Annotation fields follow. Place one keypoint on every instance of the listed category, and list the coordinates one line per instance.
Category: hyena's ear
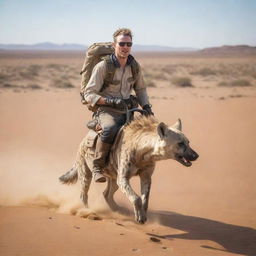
(178, 125)
(162, 129)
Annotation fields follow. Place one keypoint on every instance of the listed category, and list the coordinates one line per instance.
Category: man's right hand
(115, 103)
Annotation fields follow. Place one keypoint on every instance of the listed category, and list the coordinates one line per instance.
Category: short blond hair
(122, 31)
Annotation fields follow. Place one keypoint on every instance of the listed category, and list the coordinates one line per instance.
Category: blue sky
(177, 23)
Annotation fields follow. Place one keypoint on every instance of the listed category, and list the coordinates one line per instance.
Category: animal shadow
(235, 239)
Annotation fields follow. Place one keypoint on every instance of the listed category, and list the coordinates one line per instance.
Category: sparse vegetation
(34, 69)
(223, 83)
(17, 86)
(34, 86)
(150, 83)
(169, 69)
(236, 83)
(47, 72)
(30, 72)
(59, 83)
(240, 82)
(159, 76)
(182, 81)
(236, 96)
(204, 72)
(4, 77)
(8, 86)
(54, 66)
(253, 75)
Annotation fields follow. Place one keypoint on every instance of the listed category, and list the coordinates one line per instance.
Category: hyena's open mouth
(183, 160)
(186, 158)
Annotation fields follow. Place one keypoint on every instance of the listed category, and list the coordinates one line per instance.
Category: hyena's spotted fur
(138, 146)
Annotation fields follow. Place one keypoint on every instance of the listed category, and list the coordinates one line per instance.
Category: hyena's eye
(181, 144)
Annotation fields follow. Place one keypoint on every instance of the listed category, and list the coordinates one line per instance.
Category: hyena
(137, 148)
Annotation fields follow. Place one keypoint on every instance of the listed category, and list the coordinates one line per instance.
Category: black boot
(101, 153)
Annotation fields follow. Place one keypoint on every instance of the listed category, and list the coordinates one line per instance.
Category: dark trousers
(110, 123)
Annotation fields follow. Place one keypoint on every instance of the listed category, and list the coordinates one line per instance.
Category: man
(111, 100)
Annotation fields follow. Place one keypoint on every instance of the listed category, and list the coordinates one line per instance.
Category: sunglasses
(122, 44)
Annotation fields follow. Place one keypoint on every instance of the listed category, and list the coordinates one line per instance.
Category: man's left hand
(148, 110)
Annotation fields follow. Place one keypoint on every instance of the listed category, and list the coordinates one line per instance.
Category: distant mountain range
(158, 48)
(79, 47)
(226, 49)
(42, 46)
(230, 49)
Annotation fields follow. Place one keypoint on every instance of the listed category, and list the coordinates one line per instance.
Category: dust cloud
(31, 181)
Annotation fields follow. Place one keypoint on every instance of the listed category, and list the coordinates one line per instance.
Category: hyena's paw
(140, 215)
(83, 212)
(141, 219)
(87, 214)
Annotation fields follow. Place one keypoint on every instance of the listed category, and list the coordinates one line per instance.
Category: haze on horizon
(175, 23)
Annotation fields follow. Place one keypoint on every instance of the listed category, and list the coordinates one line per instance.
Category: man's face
(122, 51)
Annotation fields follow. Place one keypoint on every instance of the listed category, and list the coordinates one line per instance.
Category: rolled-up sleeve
(141, 90)
(92, 90)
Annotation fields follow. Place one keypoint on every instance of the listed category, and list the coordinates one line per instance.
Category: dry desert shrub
(223, 83)
(6, 74)
(246, 69)
(182, 81)
(159, 76)
(148, 79)
(253, 74)
(4, 77)
(155, 73)
(62, 83)
(236, 83)
(238, 69)
(58, 67)
(240, 82)
(8, 86)
(33, 86)
(17, 86)
(54, 66)
(60, 71)
(236, 96)
(169, 69)
(30, 72)
(235, 70)
(34, 69)
(204, 72)
(150, 83)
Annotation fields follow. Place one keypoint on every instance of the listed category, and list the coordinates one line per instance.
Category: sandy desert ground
(207, 209)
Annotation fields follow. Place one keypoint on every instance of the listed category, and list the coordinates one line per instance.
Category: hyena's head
(175, 145)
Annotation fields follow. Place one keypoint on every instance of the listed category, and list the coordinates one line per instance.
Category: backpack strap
(110, 72)
(135, 67)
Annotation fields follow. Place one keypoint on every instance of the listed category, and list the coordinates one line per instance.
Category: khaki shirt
(121, 87)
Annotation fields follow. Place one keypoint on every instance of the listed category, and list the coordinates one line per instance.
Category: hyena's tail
(70, 177)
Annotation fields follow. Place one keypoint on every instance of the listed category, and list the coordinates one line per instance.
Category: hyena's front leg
(123, 177)
(124, 184)
(145, 182)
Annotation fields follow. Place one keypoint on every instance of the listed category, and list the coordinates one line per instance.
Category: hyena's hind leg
(85, 177)
(109, 192)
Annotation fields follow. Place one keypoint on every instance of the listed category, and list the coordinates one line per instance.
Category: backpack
(96, 53)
